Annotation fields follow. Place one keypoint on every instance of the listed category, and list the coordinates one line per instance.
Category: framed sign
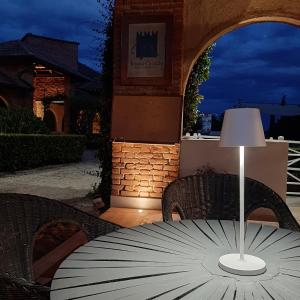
(146, 50)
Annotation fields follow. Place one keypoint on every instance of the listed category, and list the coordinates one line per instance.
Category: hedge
(26, 151)
(20, 120)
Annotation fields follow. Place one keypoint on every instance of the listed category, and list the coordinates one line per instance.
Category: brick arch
(51, 119)
(96, 123)
(3, 102)
(147, 114)
(206, 21)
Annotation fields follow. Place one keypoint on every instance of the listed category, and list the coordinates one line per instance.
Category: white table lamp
(242, 127)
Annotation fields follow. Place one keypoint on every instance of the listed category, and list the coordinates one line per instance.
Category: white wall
(265, 164)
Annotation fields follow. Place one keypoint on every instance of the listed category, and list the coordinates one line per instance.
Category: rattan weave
(21, 217)
(216, 196)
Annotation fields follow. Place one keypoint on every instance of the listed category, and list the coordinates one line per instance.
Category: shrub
(18, 120)
(26, 151)
(94, 141)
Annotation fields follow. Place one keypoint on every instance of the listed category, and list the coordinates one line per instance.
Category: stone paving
(59, 182)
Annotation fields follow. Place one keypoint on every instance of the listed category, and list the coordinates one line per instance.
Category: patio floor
(127, 217)
(66, 181)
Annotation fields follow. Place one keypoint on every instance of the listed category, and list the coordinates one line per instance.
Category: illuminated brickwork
(143, 170)
(49, 86)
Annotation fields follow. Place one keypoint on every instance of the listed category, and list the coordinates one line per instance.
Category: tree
(106, 60)
(199, 74)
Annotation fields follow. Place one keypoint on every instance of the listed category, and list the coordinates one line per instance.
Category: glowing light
(140, 210)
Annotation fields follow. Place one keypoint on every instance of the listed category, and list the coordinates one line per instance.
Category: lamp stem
(242, 208)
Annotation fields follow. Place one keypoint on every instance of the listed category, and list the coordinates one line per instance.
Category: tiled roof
(9, 80)
(12, 48)
(95, 82)
(47, 55)
(48, 38)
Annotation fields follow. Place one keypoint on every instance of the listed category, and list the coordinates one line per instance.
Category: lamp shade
(242, 127)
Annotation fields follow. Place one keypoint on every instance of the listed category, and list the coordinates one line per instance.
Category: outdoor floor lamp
(242, 127)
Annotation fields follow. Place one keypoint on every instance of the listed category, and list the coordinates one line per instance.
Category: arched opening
(265, 86)
(252, 66)
(50, 120)
(96, 127)
(227, 28)
(3, 103)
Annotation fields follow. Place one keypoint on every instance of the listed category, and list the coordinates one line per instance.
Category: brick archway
(147, 110)
(3, 103)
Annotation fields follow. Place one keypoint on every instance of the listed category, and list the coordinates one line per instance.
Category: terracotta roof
(88, 72)
(48, 38)
(12, 48)
(11, 81)
(36, 47)
(95, 83)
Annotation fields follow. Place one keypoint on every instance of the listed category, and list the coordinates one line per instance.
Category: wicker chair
(216, 196)
(21, 217)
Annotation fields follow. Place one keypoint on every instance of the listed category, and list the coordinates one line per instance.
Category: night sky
(256, 63)
(64, 19)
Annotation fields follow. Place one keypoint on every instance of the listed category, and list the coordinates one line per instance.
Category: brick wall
(143, 170)
(140, 169)
(46, 86)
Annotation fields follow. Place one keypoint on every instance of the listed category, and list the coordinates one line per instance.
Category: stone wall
(143, 170)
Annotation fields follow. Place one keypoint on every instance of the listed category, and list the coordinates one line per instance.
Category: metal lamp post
(242, 127)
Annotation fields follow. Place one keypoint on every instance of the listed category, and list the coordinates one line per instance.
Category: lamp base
(249, 266)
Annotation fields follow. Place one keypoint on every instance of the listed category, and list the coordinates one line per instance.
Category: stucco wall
(265, 164)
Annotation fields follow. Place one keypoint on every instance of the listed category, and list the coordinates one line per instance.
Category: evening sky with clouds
(256, 63)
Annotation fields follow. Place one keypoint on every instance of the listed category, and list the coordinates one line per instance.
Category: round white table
(179, 260)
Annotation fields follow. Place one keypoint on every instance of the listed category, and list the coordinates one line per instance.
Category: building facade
(149, 84)
(42, 74)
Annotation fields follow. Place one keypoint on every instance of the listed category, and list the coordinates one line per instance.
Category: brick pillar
(68, 93)
(142, 171)
(146, 114)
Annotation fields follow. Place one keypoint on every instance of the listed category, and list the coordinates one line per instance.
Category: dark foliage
(287, 126)
(192, 97)
(26, 151)
(105, 144)
(14, 120)
(83, 109)
(217, 122)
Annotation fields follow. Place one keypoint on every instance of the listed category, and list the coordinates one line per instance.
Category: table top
(179, 260)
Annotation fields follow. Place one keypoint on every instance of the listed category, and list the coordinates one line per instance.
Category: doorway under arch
(50, 120)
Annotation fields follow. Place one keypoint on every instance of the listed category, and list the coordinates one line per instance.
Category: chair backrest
(19, 289)
(21, 217)
(216, 196)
